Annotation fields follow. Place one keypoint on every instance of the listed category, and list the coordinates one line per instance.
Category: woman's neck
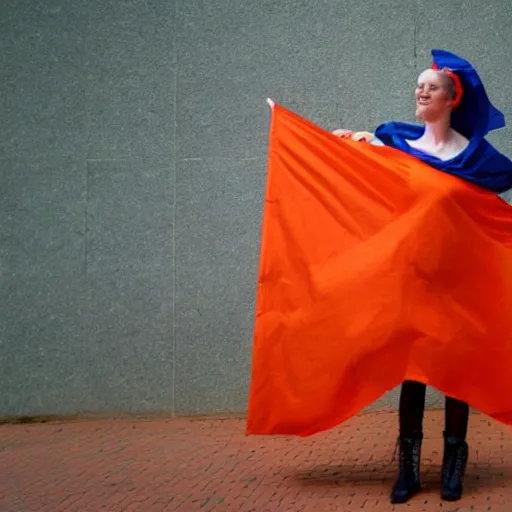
(437, 132)
(440, 140)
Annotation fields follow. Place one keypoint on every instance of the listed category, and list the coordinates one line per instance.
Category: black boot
(455, 460)
(408, 481)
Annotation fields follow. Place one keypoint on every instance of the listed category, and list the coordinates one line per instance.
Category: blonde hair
(448, 84)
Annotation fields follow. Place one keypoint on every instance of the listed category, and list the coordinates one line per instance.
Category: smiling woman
(445, 100)
(362, 275)
(456, 113)
(436, 97)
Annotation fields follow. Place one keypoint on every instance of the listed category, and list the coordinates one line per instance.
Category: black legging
(412, 406)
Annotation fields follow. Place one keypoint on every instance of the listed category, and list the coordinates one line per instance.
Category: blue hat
(476, 116)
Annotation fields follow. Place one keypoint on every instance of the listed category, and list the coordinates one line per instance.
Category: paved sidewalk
(182, 465)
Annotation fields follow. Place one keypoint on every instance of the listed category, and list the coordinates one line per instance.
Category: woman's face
(433, 100)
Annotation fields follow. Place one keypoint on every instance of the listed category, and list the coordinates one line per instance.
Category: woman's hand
(356, 136)
(362, 136)
(343, 134)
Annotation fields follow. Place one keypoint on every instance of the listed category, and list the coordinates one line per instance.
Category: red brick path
(181, 465)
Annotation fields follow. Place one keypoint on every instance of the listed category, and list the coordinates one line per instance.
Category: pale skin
(434, 103)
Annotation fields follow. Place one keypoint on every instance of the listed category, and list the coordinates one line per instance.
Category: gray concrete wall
(132, 156)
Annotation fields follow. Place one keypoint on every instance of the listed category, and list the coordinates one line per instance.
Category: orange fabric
(375, 268)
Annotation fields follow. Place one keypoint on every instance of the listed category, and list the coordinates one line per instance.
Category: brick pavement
(189, 465)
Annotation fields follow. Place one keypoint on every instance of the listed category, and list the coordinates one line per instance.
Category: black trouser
(412, 406)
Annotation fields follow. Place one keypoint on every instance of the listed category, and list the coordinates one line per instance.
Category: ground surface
(182, 465)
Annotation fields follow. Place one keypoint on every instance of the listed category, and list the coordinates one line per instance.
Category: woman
(376, 270)
(456, 115)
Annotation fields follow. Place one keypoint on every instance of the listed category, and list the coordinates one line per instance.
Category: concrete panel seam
(174, 220)
(223, 159)
(86, 219)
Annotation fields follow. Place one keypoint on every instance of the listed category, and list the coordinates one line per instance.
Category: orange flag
(375, 268)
